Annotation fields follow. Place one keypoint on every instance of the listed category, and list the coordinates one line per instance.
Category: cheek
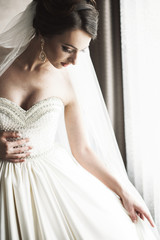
(56, 56)
(55, 53)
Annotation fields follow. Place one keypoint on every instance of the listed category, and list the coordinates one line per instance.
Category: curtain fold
(106, 56)
(141, 82)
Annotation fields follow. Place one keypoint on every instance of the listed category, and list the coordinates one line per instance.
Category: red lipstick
(64, 64)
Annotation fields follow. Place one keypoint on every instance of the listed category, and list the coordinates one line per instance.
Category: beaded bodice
(39, 123)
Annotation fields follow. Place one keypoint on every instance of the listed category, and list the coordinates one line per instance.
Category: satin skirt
(54, 198)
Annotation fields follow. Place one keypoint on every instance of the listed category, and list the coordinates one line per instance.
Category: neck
(29, 59)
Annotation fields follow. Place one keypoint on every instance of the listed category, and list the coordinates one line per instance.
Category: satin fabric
(50, 196)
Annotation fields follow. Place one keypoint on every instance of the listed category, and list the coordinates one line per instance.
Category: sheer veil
(16, 36)
(15, 39)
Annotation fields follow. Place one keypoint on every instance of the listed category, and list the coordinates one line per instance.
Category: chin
(57, 66)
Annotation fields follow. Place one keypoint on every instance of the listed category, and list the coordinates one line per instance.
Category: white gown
(50, 196)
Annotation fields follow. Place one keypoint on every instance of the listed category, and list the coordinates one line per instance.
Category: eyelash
(65, 49)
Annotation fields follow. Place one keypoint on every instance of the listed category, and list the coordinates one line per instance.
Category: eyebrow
(75, 47)
(71, 46)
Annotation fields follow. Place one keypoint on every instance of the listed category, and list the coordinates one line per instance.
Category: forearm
(91, 163)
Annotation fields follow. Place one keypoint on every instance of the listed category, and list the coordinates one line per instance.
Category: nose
(73, 58)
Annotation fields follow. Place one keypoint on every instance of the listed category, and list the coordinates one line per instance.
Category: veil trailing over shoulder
(15, 39)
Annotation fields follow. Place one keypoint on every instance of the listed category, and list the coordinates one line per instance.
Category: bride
(60, 178)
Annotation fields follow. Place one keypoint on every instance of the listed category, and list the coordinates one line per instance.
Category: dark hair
(57, 16)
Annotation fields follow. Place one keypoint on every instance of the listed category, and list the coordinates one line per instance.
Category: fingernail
(135, 221)
(153, 225)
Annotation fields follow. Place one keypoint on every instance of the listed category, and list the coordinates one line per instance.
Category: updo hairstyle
(54, 17)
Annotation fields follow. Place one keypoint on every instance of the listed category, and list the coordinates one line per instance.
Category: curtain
(106, 57)
(140, 29)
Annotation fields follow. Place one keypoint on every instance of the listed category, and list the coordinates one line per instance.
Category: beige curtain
(106, 56)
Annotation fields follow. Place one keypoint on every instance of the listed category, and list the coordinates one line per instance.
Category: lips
(64, 64)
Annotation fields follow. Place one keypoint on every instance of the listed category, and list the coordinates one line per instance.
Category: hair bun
(57, 16)
(61, 4)
(58, 5)
(92, 2)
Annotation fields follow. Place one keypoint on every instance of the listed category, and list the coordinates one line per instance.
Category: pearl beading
(39, 123)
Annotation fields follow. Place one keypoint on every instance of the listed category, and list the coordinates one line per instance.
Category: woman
(46, 193)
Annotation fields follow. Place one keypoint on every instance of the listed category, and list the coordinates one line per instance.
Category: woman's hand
(135, 206)
(13, 151)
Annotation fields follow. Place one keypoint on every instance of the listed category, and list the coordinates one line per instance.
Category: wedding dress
(51, 196)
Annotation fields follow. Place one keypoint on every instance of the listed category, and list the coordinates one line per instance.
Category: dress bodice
(39, 123)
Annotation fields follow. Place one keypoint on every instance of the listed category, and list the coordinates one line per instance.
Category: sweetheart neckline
(34, 105)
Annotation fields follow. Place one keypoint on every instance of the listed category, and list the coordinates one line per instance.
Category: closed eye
(68, 50)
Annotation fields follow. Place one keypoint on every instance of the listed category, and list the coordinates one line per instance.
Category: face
(62, 50)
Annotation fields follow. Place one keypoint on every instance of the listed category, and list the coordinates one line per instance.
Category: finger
(16, 152)
(20, 142)
(19, 156)
(20, 150)
(16, 160)
(148, 217)
(133, 215)
(10, 134)
(140, 215)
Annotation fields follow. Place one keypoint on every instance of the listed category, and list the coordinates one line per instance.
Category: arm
(88, 159)
(81, 150)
